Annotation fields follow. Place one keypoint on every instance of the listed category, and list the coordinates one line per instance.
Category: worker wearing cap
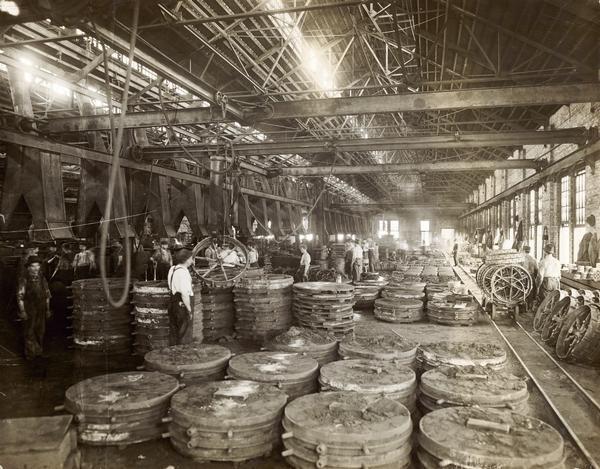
(33, 300)
(181, 302)
(548, 273)
(531, 266)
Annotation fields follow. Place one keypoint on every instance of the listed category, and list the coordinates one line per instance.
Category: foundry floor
(24, 392)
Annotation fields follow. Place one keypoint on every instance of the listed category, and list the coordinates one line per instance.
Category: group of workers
(360, 257)
(545, 274)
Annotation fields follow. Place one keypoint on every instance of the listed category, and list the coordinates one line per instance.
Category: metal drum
(380, 347)
(98, 328)
(263, 306)
(453, 313)
(311, 343)
(450, 386)
(368, 290)
(151, 301)
(325, 305)
(294, 374)
(461, 354)
(121, 408)
(346, 430)
(396, 382)
(190, 363)
(226, 420)
(460, 437)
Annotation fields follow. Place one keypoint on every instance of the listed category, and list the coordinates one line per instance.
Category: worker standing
(348, 254)
(548, 273)
(357, 262)
(33, 300)
(181, 302)
(455, 252)
(302, 272)
(252, 254)
(162, 260)
(531, 266)
(84, 262)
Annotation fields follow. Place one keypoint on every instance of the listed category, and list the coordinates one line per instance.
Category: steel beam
(577, 135)
(391, 103)
(409, 168)
(71, 154)
(403, 206)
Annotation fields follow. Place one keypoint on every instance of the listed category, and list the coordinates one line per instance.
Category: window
(532, 212)
(580, 198)
(389, 227)
(565, 200)
(540, 195)
(425, 233)
(395, 228)
(383, 228)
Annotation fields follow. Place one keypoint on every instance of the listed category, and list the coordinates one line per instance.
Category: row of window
(571, 193)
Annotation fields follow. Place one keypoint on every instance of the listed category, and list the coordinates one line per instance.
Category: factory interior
(308, 234)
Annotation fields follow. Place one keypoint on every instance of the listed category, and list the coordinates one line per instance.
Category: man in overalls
(33, 300)
(181, 303)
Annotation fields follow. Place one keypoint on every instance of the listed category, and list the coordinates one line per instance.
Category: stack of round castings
(461, 354)
(98, 328)
(396, 277)
(405, 290)
(449, 386)
(429, 274)
(121, 408)
(226, 420)
(380, 347)
(197, 326)
(452, 314)
(291, 372)
(367, 291)
(475, 437)
(151, 300)
(399, 310)
(190, 363)
(315, 344)
(446, 274)
(387, 379)
(218, 312)
(413, 273)
(346, 430)
(324, 305)
(263, 306)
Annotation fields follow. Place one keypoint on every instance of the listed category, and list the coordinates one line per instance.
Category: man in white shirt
(252, 254)
(229, 256)
(181, 303)
(531, 266)
(302, 272)
(548, 273)
(357, 262)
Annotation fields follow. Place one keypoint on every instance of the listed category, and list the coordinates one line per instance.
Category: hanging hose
(114, 174)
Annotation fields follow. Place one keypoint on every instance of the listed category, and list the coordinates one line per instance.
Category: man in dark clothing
(455, 252)
(162, 260)
(33, 299)
(141, 260)
(181, 303)
(51, 261)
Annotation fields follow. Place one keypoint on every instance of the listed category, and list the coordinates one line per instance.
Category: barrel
(218, 312)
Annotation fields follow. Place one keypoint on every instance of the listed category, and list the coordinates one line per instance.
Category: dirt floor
(31, 391)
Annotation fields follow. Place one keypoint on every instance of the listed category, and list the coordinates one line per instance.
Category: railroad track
(576, 409)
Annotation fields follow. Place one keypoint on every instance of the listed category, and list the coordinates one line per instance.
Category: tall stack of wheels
(346, 430)
(218, 312)
(396, 382)
(450, 386)
(190, 363)
(294, 374)
(151, 303)
(386, 347)
(99, 329)
(230, 421)
(476, 437)
(263, 306)
(121, 408)
(311, 343)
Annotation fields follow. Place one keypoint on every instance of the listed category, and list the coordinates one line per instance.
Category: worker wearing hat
(181, 302)
(162, 260)
(33, 300)
(548, 273)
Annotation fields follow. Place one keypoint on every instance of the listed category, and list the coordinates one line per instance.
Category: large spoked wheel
(545, 308)
(484, 278)
(218, 274)
(554, 321)
(573, 331)
(510, 285)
